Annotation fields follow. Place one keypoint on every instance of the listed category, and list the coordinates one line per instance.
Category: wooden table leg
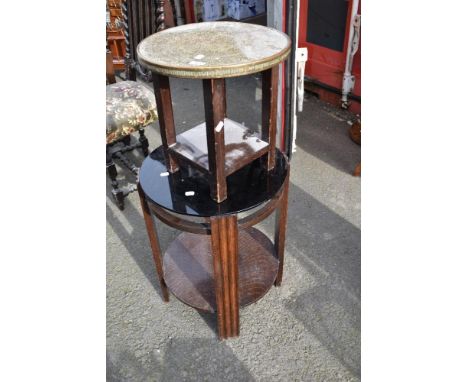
(224, 235)
(214, 94)
(269, 111)
(280, 229)
(162, 92)
(154, 242)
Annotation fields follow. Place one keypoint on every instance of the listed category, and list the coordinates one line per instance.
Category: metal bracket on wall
(353, 46)
(301, 59)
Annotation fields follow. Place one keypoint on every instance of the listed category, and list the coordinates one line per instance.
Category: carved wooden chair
(142, 18)
(130, 106)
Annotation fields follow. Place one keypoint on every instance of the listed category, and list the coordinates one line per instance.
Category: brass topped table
(213, 51)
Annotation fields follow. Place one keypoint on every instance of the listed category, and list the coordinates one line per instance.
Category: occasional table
(219, 262)
(213, 51)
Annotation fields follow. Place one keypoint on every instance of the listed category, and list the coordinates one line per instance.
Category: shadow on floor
(183, 360)
(326, 245)
(138, 246)
(323, 132)
(334, 320)
(137, 243)
(329, 248)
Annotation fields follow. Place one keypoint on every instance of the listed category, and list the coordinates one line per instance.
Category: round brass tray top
(217, 49)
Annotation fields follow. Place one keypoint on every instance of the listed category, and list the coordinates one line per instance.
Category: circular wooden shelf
(217, 49)
(188, 268)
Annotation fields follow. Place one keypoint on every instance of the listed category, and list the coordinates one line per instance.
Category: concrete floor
(306, 330)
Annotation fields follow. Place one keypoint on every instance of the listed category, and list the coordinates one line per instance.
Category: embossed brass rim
(206, 72)
(213, 72)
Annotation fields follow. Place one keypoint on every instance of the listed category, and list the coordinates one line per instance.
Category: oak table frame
(225, 231)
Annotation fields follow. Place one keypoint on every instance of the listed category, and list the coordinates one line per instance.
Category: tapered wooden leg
(154, 242)
(269, 111)
(226, 274)
(280, 229)
(162, 92)
(214, 94)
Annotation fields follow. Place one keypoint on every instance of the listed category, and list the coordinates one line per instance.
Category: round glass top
(187, 191)
(217, 49)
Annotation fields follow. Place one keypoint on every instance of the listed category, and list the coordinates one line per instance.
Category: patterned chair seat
(129, 107)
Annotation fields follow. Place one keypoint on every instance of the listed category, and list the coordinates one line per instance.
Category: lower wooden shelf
(242, 146)
(188, 268)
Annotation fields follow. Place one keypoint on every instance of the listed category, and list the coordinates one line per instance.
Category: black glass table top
(187, 191)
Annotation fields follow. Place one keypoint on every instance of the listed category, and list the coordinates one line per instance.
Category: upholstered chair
(130, 106)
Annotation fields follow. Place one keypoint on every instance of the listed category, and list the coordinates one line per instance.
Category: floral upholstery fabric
(129, 107)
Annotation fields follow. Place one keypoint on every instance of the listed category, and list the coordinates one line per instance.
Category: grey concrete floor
(306, 330)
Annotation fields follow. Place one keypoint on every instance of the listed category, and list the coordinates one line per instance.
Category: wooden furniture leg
(160, 16)
(144, 142)
(110, 73)
(214, 94)
(280, 229)
(224, 246)
(112, 172)
(168, 14)
(162, 92)
(188, 16)
(154, 242)
(357, 170)
(269, 111)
